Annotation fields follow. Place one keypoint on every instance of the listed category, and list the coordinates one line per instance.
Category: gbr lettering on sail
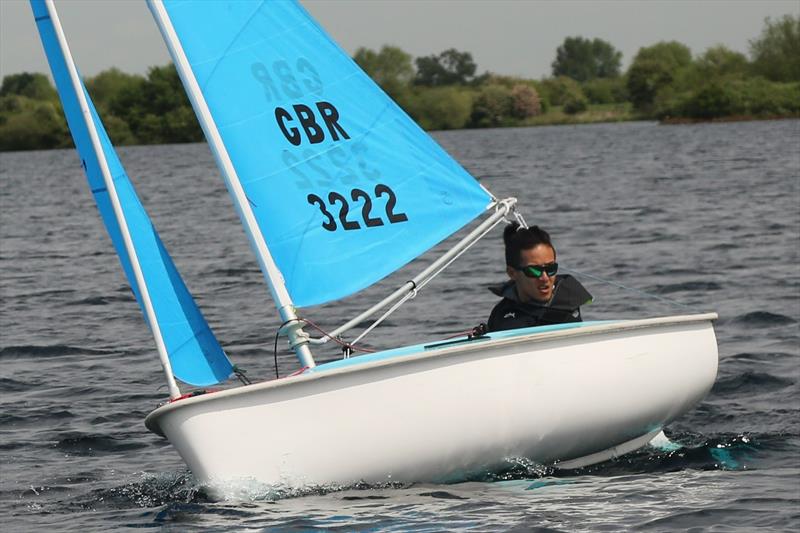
(329, 176)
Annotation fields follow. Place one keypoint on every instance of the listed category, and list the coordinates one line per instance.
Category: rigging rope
(275, 349)
(346, 346)
(411, 294)
(632, 289)
(338, 340)
(417, 286)
(240, 373)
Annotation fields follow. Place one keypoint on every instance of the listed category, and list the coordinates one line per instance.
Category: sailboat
(336, 188)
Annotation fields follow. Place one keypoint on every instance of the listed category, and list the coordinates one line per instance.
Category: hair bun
(509, 231)
(518, 239)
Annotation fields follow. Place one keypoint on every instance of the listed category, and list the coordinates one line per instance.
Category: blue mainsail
(194, 353)
(345, 188)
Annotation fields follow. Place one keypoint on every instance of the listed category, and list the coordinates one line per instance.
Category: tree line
(444, 91)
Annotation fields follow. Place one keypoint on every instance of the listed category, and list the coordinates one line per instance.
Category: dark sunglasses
(536, 271)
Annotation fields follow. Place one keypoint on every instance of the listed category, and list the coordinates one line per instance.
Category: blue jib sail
(344, 186)
(194, 353)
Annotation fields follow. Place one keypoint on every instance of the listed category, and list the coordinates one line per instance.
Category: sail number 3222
(370, 220)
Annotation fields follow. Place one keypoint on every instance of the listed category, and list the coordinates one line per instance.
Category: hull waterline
(572, 397)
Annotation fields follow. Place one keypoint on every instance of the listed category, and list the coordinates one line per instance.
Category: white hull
(575, 397)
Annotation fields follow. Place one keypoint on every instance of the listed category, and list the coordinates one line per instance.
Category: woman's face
(534, 289)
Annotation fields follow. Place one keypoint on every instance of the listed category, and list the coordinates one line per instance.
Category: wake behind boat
(337, 188)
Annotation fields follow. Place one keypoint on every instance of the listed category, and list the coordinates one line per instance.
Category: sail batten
(187, 347)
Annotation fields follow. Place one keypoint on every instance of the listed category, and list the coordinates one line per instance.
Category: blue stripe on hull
(448, 343)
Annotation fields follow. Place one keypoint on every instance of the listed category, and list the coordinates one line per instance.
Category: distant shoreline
(543, 120)
(609, 113)
(673, 121)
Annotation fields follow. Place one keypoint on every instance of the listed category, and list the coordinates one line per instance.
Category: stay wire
(344, 344)
(417, 286)
(350, 346)
(632, 289)
(388, 312)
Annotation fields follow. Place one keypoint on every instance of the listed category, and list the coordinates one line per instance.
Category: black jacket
(565, 306)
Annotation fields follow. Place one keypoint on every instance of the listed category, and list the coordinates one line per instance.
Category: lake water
(704, 216)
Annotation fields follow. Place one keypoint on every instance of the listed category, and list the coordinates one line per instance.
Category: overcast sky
(515, 37)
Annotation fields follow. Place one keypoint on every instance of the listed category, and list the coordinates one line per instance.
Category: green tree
(583, 59)
(493, 106)
(118, 130)
(776, 52)
(711, 101)
(575, 102)
(180, 125)
(163, 90)
(441, 108)
(773, 99)
(390, 65)
(720, 61)
(30, 114)
(28, 124)
(157, 109)
(391, 68)
(654, 68)
(31, 85)
(605, 90)
(557, 90)
(525, 93)
(109, 84)
(717, 64)
(754, 97)
(105, 89)
(451, 67)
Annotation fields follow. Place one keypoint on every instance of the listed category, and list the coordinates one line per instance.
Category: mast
(291, 324)
(80, 95)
